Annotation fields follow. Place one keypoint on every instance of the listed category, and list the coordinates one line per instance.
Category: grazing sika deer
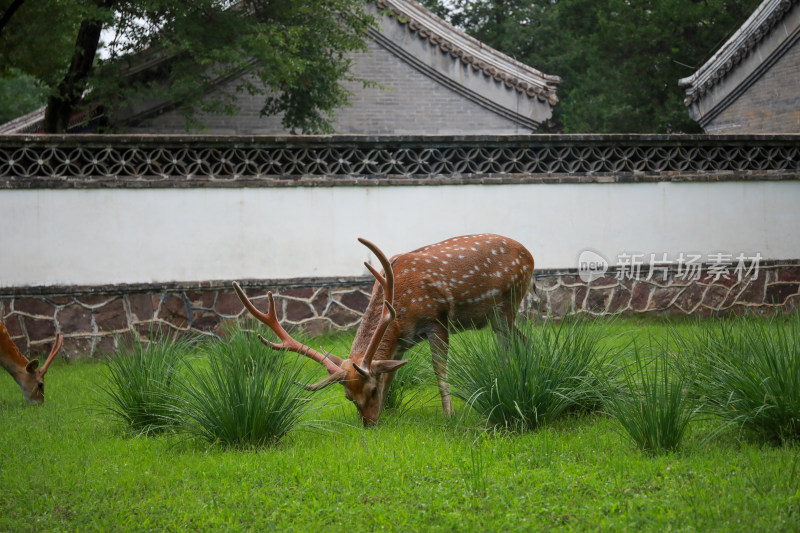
(461, 283)
(27, 374)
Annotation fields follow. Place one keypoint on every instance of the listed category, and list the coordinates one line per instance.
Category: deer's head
(367, 389)
(365, 380)
(28, 375)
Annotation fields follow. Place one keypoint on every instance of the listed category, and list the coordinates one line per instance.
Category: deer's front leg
(439, 340)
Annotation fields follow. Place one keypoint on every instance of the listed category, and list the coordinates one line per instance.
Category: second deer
(27, 374)
(461, 283)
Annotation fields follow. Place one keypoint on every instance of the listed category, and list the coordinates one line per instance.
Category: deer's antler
(270, 319)
(53, 351)
(386, 282)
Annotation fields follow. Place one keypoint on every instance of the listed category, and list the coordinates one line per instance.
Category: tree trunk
(70, 91)
(8, 13)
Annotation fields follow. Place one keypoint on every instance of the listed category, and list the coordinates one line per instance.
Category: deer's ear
(32, 366)
(363, 372)
(333, 378)
(381, 367)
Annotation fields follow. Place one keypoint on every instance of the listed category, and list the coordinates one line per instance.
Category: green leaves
(620, 60)
(295, 54)
(175, 51)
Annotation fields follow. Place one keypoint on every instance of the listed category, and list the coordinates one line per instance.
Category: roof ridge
(470, 51)
(760, 23)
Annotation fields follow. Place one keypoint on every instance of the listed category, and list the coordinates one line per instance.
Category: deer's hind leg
(439, 340)
(502, 320)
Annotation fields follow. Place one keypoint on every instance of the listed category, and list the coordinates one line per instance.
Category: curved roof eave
(470, 51)
(761, 23)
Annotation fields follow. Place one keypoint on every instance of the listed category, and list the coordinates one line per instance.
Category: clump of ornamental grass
(652, 404)
(242, 399)
(534, 378)
(748, 373)
(240, 340)
(408, 383)
(141, 379)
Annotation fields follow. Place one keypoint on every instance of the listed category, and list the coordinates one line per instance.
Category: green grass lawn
(69, 465)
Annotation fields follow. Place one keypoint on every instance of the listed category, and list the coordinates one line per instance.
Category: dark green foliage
(142, 378)
(747, 372)
(652, 403)
(20, 94)
(620, 60)
(297, 53)
(537, 378)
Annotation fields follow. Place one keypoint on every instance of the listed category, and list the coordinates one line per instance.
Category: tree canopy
(620, 60)
(295, 51)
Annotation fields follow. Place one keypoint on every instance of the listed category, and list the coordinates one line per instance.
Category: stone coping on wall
(93, 319)
(175, 161)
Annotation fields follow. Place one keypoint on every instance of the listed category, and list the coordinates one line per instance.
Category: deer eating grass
(27, 374)
(461, 283)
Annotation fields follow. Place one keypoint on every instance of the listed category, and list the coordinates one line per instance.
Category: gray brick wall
(411, 103)
(770, 105)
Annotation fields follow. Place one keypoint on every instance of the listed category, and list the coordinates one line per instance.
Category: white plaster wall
(95, 237)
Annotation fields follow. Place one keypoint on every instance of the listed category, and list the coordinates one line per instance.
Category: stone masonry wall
(93, 320)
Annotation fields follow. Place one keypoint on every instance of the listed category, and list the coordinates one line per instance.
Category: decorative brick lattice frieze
(146, 161)
(92, 320)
